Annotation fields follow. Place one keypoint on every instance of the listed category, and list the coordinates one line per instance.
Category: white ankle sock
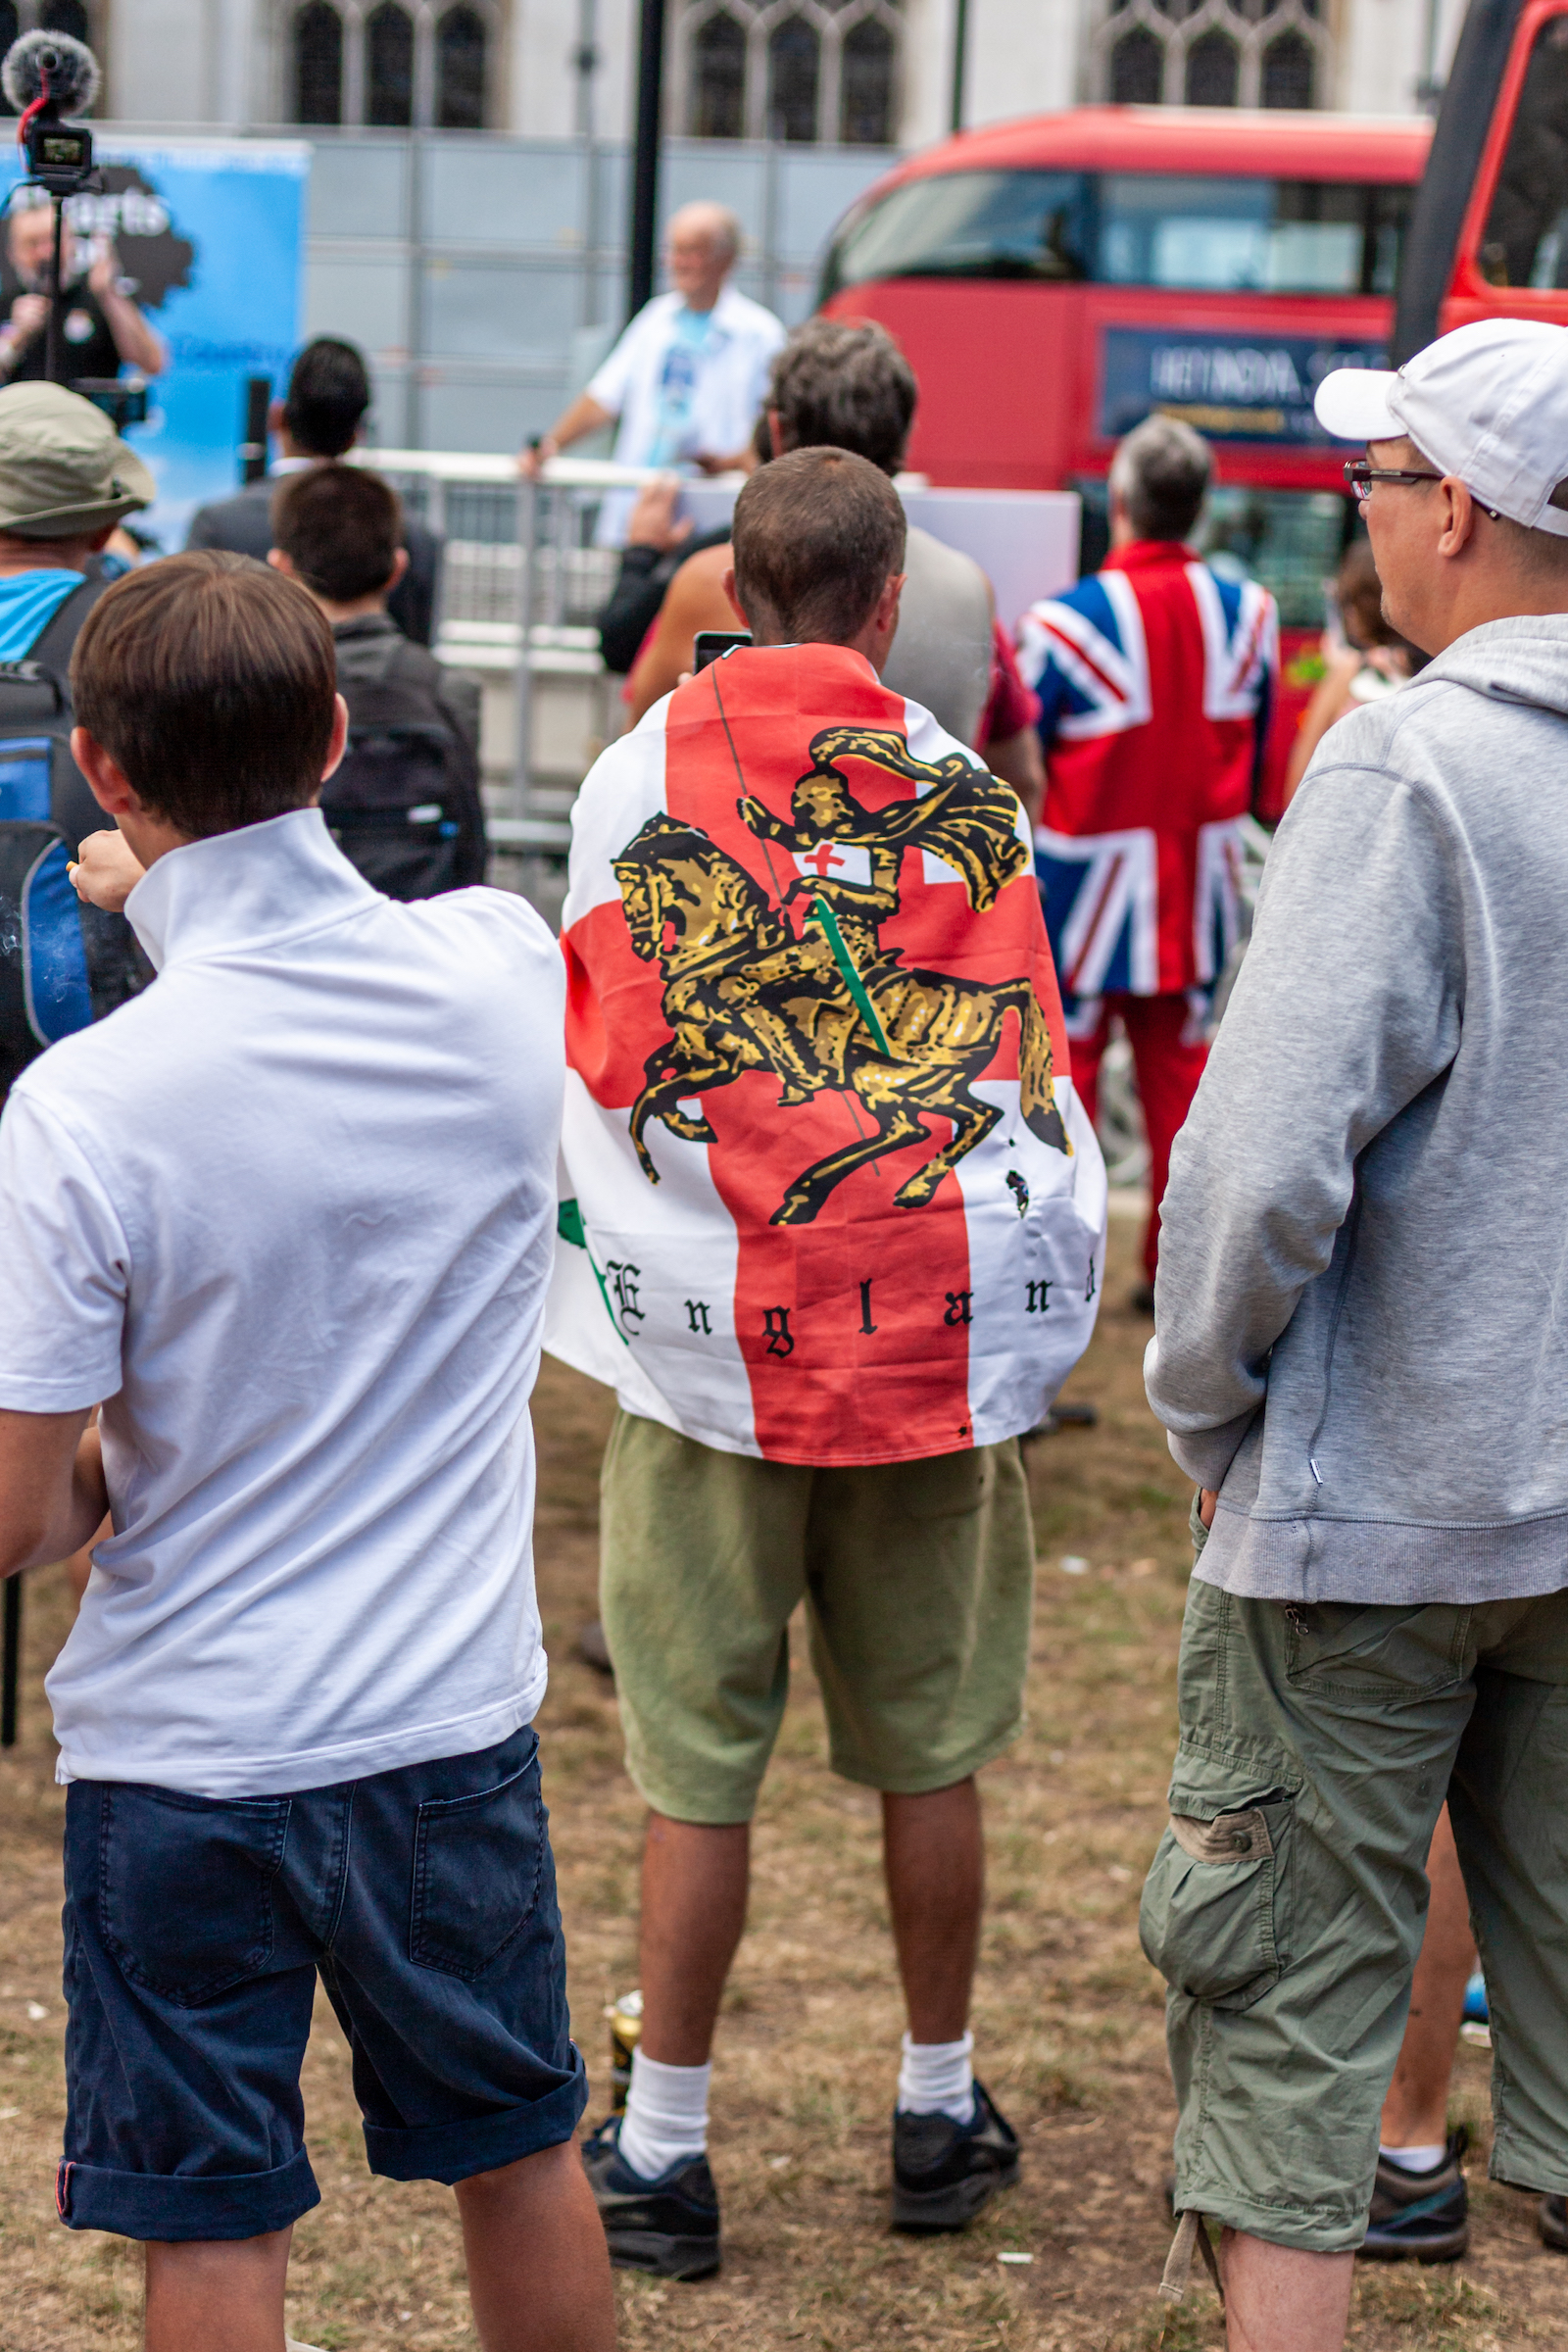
(1424, 2159)
(937, 2078)
(666, 2115)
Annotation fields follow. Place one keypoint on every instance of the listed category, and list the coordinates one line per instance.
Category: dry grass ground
(1067, 2022)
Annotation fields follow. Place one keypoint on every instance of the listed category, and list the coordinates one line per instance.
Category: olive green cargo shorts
(1285, 1905)
(919, 1584)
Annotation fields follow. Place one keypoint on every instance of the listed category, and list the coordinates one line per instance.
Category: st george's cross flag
(828, 1194)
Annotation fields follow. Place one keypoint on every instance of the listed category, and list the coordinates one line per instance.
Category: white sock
(666, 2115)
(936, 2078)
(1424, 2159)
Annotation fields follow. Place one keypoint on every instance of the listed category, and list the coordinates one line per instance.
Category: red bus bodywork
(1015, 375)
(1009, 373)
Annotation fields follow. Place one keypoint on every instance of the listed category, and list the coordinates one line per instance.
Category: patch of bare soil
(1067, 2023)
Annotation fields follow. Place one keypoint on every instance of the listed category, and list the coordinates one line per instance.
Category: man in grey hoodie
(1361, 1355)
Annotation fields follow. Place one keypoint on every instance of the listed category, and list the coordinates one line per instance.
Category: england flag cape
(828, 1195)
(1154, 677)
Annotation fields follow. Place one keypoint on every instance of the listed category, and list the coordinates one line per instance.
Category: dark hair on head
(211, 681)
(1162, 472)
(815, 535)
(340, 526)
(845, 384)
(329, 392)
(1360, 598)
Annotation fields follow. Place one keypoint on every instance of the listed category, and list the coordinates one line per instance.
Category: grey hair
(1161, 473)
(723, 224)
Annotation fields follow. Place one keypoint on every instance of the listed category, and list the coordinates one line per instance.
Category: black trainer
(1420, 2217)
(668, 2225)
(1551, 2220)
(944, 2172)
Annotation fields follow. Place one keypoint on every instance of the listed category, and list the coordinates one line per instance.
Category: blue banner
(1229, 387)
(211, 232)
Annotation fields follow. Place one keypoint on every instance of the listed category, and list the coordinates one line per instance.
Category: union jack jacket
(1154, 677)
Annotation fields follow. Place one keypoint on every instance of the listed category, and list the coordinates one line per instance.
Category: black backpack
(404, 806)
(62, 964)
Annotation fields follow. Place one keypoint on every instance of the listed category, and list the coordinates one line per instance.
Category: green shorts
(1286, 1903)
(919, 1583)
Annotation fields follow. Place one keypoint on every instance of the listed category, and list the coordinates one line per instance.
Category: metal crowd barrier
(523, 585)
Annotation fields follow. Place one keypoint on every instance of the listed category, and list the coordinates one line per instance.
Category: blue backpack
(62, 964)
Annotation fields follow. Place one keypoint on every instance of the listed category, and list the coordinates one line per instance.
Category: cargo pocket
(1215, 1915)
(477, 1862)
(1358, 1649)
(185, 1887)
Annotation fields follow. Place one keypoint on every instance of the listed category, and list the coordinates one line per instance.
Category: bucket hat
(64, 470)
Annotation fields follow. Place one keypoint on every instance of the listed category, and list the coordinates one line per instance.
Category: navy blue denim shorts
(195, 1929)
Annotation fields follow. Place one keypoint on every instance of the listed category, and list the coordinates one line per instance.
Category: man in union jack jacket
(1154, 680)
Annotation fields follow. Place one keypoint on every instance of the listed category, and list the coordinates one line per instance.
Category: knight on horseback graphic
(830, 1006)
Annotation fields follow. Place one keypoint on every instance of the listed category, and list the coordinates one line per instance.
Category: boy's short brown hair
(210, 680)
(816, 536)
(340, 526)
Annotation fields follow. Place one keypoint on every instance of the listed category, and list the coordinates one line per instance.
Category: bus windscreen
(1525, 242)
(1130, 229)
(967, 224)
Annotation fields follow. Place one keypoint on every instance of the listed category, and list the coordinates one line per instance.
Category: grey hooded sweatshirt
(1361, 1316)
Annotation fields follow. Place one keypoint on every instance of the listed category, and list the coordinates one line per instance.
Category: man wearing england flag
(834, 1233)
(1154, 679)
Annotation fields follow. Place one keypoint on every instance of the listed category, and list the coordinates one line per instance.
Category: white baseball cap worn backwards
(1488, 404)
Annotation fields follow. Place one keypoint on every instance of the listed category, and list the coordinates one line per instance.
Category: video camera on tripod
(47, 76)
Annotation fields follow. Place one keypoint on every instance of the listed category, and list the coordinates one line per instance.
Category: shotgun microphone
(50, 66)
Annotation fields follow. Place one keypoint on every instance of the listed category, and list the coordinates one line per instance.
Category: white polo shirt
(727, 383)
(289, 1214)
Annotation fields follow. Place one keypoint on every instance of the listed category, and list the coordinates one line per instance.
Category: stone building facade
(858, 73)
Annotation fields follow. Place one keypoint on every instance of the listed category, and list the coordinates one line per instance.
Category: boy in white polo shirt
(289, 1214)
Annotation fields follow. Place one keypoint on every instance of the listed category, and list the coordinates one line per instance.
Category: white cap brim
(1352, 403)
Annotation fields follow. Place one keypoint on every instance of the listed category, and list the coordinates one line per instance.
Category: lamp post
(960, 53)
(644, 154)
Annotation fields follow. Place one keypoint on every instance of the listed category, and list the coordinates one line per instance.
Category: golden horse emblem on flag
(830, 1008)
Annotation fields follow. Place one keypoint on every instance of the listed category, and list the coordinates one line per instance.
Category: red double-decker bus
(1489, 232)
(1055, 281)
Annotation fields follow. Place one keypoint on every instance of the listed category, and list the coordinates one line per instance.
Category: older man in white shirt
(687, 378)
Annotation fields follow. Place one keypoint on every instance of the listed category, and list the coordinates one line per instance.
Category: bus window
(1250, 235)
(1525, 242)
(965, 224)
(1291, 540)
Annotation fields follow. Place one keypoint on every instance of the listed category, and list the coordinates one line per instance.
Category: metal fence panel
(471, 265)
(364, 298)
(506, 193)
(497, 310)
(359, 188)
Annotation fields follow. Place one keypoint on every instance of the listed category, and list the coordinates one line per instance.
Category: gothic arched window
(794, 68)
(1213, 71)
(317, 63)
(65, 16)
(461, 46)
(1289, 71)
(8, 28)
(389, 68)
(865, 85)
(1137, 67)
(719, 81)
(797, 70)
(1212, 52)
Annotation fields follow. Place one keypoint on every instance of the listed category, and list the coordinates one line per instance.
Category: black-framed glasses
(1360, 476)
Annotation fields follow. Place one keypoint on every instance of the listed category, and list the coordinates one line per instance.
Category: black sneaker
(1551, 2220)
(1420, 2217)
(944, 2172)
(668, 2225)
